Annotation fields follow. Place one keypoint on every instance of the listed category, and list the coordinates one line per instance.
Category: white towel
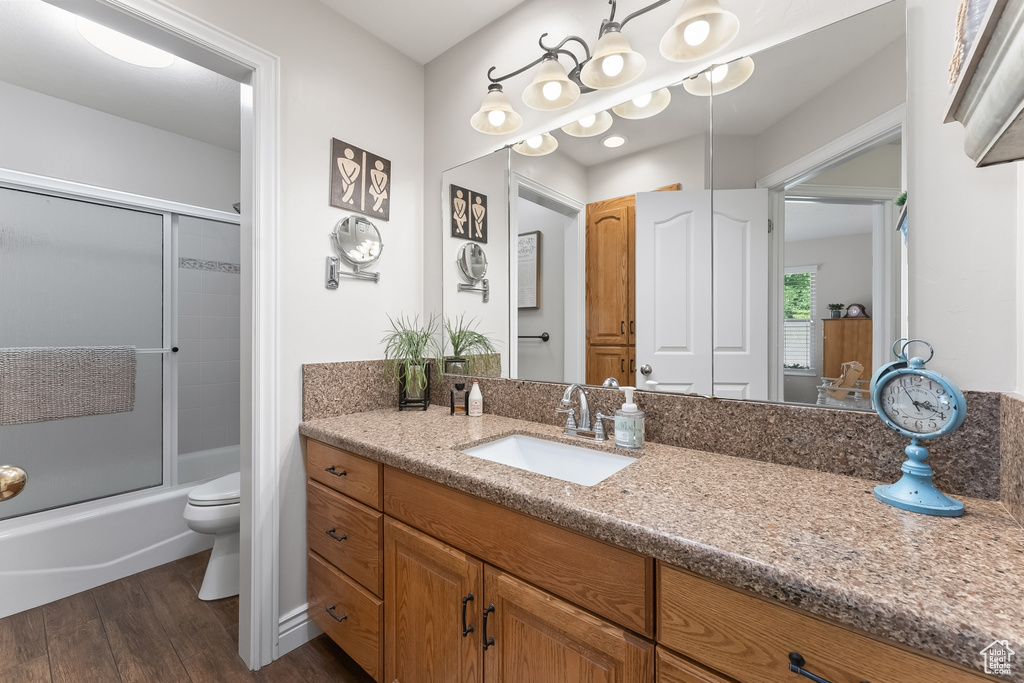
(47, 383)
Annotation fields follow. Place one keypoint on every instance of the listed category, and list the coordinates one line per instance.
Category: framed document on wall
(529, 269)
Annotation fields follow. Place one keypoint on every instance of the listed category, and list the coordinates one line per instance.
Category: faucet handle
(571, 422)
(599, 433)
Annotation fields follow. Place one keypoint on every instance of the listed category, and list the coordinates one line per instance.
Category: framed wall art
(360, 181)
(468, 210)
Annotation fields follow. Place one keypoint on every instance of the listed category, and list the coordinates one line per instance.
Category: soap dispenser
(629, 423)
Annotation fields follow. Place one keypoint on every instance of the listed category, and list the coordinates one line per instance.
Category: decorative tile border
(214, 266)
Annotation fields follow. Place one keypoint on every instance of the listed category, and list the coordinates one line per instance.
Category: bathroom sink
(553, 459)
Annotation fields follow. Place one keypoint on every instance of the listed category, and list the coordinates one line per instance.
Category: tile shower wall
(208, 334)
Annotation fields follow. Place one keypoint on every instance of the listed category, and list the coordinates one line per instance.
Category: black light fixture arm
(610, 24)
(549, 53)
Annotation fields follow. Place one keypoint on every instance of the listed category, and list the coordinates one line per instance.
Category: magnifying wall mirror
(472, 262)
(357, 242)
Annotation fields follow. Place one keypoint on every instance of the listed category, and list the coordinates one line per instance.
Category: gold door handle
(12, 481)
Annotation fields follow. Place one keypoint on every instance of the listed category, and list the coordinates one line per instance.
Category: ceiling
(41, 49)
(422, 29)
(813, 220)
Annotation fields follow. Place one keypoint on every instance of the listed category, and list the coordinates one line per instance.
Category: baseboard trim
(295, 629)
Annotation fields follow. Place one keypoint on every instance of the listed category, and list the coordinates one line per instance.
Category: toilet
(213, 508)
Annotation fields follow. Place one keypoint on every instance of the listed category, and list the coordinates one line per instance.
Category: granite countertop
(821, 542)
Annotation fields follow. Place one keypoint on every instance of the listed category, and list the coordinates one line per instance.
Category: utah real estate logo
(998, 658)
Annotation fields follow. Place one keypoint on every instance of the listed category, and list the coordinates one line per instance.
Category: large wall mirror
(697, 250)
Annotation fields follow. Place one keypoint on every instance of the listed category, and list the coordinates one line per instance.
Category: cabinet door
(608, 361)
(539, 638)
(609, 284)
(425, 583)
(845, 340)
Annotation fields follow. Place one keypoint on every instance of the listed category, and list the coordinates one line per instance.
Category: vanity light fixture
(613, 141)
(537, 145)
(645, 105)
(125, 48)
(720, 78)
(701, 28)
(589, 126)
(700, 25)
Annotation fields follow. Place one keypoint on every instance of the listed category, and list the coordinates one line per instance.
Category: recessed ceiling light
(123, 47)
(613, 141)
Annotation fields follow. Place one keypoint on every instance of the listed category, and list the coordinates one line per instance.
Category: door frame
(575, 341)
(888, 127)
(207, 45)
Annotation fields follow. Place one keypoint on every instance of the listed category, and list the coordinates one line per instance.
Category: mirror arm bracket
(333, 273)
(484, 288)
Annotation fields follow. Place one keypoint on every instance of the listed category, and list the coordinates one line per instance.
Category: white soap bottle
(476, 401)
(629, 423)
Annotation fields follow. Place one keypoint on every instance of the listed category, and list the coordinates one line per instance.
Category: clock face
(854, 311)
(916, 403)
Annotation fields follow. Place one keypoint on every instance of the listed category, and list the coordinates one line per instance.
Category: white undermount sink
(553, 459)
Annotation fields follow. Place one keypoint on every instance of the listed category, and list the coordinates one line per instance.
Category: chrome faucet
(581, 428)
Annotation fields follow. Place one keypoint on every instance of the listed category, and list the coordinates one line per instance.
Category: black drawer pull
(466, 630)
(330, 532)
(488, 640)
(796, 665)
(331, 470)
(330, 610)
(622, 327)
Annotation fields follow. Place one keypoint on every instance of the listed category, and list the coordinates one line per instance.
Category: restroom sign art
(360, 181)
(468, 210)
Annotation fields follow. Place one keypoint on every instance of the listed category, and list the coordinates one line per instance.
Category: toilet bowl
(214, 508)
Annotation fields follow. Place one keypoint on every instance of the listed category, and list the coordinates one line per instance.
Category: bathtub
(50, 555)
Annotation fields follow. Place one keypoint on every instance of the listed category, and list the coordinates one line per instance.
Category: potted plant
(409, 347)
(465, 341)
(835, 310)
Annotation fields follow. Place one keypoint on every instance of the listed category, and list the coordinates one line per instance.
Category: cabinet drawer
(361, 614)
(750, 638)
(674, 669)
(344, 472)
(345, 533)
(611, 582)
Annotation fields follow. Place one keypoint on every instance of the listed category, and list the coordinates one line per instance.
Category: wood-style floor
(151, 628)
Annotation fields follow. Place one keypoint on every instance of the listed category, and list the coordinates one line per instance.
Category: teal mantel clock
(920, 404)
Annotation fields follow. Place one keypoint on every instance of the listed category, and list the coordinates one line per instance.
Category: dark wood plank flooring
(151, 627)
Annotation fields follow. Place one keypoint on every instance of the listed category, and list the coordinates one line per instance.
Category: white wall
(456, 81)
(681, 161)
(963, 224)
(324, 95)
(540, 360)
(51, 137)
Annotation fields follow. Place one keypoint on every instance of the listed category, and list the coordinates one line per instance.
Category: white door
(740, 286)
(673, 291)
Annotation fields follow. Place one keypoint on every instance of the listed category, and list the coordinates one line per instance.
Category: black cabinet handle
(331, 470)
(632, 327)
(796, 665)
(632, 366)
(488, 640)
(330, 532)
(466, 630)
(330, 610)
(622, 327)
(622, 364)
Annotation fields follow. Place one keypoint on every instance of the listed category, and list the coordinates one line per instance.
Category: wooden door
(609, 361)
(845, 340)
(426, 582)
(609, 280)
(539, 638)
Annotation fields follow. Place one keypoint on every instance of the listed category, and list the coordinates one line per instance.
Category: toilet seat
(223, 491)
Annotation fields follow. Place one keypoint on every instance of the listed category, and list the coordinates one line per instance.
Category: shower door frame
(156, 22)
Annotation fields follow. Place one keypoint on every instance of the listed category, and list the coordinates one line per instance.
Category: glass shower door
(80, 274)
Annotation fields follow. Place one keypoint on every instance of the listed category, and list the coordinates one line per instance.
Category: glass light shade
(611, 48)
(551, 88)
(532, 147)
(659, 100)
(714, 80)
(488, 118)
(602, 122)
(125, 48)
(677, 44)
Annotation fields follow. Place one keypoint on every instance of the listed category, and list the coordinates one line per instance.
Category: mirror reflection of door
(840, 247)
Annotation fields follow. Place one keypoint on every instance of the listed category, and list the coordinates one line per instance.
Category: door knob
(12, 481)
(646, 370)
